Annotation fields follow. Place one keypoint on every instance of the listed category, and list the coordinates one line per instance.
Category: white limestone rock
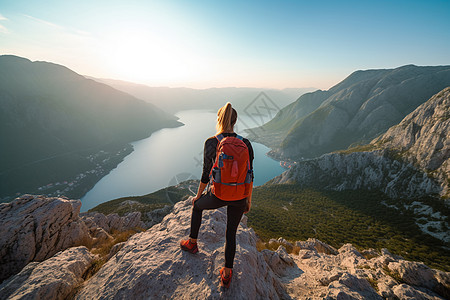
(278, 260)
(152, 265)
(407, 292)
(315, 244)
(419, 275)
(156, 216)
(350, 275)
(113, 222)
(54, 278)
(349, 286)
(34, 228)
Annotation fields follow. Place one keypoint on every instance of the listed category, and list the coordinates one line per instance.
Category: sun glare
(142, 57)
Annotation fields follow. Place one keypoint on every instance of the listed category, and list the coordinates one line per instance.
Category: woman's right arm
(209, 152)
(201, 188)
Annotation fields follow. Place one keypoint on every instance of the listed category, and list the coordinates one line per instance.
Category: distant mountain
(410, 160)
(409, 164)
(177, 99)
(50, 113)
(358, 109)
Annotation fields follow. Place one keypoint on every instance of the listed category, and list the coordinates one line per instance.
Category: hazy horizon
(201, 44)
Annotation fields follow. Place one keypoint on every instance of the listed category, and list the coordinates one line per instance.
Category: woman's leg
(235, 210)
(206, 201)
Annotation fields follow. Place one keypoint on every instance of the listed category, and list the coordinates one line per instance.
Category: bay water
(170, 156)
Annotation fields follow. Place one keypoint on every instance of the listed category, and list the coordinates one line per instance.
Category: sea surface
(172, 155)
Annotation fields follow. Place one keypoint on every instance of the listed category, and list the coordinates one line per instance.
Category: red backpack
(231, 176)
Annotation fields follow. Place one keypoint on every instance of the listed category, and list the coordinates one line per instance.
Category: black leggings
(235, 209)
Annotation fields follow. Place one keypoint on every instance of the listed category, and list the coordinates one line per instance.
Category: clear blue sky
(227, 43)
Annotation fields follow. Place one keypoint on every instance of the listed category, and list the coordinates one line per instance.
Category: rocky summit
(151, 265)
(356, 110)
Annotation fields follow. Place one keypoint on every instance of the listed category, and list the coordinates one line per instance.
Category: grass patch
(373, 283)
(103, 248)
(360, 148)
(393, 274)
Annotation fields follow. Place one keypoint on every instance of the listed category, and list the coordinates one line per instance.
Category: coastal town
(287, 164)
(102, 163)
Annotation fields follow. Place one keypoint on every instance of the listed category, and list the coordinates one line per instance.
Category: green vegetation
(393, 274)
(336, 218)
(146, 203)
(360, 148)
(373, 283)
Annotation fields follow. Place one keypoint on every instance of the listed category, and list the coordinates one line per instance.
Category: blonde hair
(226, 118)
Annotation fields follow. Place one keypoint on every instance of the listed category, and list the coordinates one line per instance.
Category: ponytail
(226, 118)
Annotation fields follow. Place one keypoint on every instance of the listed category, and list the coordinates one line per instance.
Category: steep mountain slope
(408, 163)
(423, 138)
(177, 99)
(356, 110)
(410, 160)
(47, 110)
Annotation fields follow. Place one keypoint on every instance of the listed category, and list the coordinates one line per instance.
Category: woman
(226, 119)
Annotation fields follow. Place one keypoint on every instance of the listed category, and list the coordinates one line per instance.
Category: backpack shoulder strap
(219, 137)
(239, 137)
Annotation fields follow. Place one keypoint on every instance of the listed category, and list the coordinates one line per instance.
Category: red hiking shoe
(186, 245)
(225, 281)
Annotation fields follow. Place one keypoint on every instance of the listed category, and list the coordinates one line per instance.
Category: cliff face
(150, 265)
(410, 160)
(423, 138)
(34, 228)
(356, 110)
(375, 170)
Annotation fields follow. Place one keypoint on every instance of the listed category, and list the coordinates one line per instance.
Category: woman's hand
(194, 198)
(201, 188)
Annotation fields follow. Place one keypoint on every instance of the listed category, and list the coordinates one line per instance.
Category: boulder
(54, 278)
(113, 222)
(152, 265)
(34, 228)
(315, 244)
(279, 260)
(351, 287)
(418, 274)
(156, 216)
(407, 292)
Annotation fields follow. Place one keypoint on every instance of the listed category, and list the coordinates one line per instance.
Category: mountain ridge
(361, 107)
(182, 98)
(49, 112)
(418, 147)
